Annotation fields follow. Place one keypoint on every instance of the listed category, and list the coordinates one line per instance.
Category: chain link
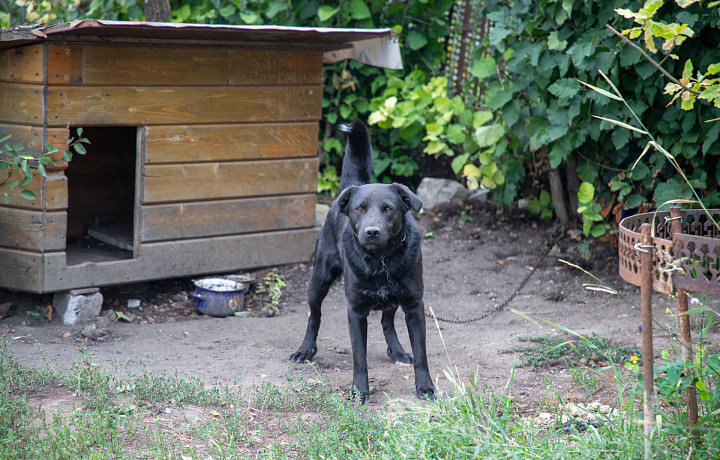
(538, 262)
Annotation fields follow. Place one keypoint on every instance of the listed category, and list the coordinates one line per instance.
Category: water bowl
(219, 296)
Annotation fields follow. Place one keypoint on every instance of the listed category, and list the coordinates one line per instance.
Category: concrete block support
(78, 306)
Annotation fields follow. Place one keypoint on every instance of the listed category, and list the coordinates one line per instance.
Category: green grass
(161, 416)
(549, 350)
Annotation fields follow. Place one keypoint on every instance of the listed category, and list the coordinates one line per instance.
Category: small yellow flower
(634, 359)
(667, 310)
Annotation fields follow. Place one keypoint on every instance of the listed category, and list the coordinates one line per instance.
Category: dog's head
(377, 212)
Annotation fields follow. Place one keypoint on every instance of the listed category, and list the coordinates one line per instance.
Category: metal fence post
(646, 289)
(684, 321)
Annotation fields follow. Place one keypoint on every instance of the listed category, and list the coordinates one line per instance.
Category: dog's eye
(388, 208)
(360, 209)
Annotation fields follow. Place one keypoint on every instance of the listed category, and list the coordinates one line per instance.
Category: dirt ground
(470, 267)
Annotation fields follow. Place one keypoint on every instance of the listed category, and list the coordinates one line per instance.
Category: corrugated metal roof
(377, 47)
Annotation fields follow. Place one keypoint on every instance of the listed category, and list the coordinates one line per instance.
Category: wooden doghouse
(203, 154)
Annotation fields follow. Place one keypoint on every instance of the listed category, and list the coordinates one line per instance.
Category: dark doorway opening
(101, 196)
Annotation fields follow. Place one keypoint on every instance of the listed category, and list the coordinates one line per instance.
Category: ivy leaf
(496, 98)
(227, 11)
(565, 88)
(483, 68)
(582, 48)
(459, 162)
(359, 10)
(455, 134)
(416, 40)
(249, 17)
(586, 192)
(481, 117)
(486, 136)
(433, 130)
(554, 43)
(273, 8)
(620, 138)
(435, 147)
(28, 194)
(326, 12)
(557, 155)
(710, 137)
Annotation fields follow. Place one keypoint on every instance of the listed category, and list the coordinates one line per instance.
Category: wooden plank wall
(228, 140)
(28, 228)
(226, 151)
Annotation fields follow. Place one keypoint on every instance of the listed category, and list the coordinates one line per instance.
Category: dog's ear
(340, 204)
(408, 198)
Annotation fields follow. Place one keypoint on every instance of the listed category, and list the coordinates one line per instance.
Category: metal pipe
(684, 323)
(646, 289)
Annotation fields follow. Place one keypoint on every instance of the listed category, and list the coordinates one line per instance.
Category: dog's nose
(372, 232)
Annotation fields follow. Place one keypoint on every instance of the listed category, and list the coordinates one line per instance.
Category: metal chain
(538, 262)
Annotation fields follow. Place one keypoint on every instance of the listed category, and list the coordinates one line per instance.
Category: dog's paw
(427, 393)
(303, 355)
(356, 396)
(400, 357)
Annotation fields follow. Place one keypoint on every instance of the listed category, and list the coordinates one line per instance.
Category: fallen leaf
(48, 312)
(66, 335)
(123, 316)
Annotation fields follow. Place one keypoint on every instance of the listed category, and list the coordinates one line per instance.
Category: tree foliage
(542, 50)
(522, 112)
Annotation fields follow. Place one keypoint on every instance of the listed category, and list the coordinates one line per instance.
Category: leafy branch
(617, 96)
(15, 158)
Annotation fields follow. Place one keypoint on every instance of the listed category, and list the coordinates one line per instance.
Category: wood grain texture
(51, 192)
(21, 104)
(186, 66)
(33, 231)
(30, 136)
(23, 65)
(55, 191)
(207, 181)
(227, 217)
(174, 144)
(22, 270)
(109, 105)
(32, 139)
(58, 137)
(175, 259)
(65, 64)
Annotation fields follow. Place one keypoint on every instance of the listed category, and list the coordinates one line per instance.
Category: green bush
(543, 49)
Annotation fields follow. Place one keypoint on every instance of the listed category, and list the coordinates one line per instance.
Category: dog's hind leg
(325, 271)
(395, 351)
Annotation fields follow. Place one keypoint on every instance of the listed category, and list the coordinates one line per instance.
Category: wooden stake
(684, 322)
(646, 288)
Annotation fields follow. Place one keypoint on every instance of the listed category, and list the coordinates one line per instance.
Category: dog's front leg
(415, 320)
(357, 323)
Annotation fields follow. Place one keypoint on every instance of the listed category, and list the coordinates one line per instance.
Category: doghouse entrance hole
(101, 196)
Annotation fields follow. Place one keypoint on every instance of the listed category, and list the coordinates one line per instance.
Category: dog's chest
(384, 284)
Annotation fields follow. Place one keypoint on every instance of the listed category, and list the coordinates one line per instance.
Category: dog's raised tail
(357, 162)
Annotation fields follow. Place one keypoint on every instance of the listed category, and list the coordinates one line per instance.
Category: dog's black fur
(370, 236)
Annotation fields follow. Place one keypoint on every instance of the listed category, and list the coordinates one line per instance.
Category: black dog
(371, 237)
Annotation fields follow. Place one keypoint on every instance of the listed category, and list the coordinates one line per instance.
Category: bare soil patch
(470, 268)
